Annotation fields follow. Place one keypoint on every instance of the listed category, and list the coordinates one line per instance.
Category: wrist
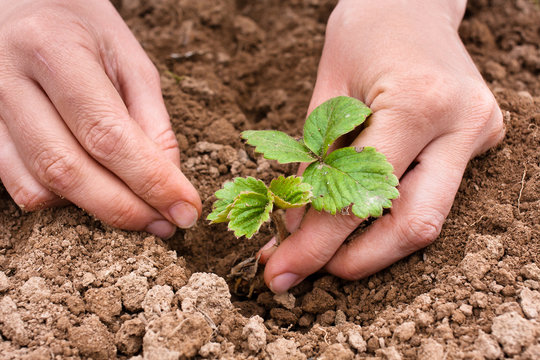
(447, 11)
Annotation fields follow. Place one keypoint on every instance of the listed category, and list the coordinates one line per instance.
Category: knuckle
(59, 170)
(349, 271)
(346, 223)
(150, 74)
(46, 35)
(124, 215)
(482, 107)
(483, 118)
(33, 33)
(166, 140)
(104, 140)
(421, 230)
(497, 130)
(155, 186)
(318, 254)
(32, 24)
(429, 99)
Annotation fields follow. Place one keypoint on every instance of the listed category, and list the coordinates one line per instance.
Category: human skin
(432, 112)
(82, 118)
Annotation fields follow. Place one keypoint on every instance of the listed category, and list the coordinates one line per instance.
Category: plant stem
(279, 223)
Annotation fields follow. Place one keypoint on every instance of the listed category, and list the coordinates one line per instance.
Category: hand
(82, 118)
(432, 113)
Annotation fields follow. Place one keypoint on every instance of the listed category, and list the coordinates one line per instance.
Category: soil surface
(71, 287)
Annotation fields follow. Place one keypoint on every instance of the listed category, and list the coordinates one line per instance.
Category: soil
(71, 287)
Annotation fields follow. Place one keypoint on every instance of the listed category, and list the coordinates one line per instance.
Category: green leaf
(276, 145)
(227, 195)
(362, 179)
(330, 120)
(249, 211)
(290, 192)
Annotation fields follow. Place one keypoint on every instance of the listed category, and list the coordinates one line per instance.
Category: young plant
(359, 179)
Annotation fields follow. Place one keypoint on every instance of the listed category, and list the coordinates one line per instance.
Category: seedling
(358, 180)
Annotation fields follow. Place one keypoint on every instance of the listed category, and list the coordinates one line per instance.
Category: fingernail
(283, 282)
(184, 215)
(269, 244)
(267, 251)
(161, 228)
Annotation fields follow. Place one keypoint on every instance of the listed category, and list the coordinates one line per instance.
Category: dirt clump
(92, 339)
(72, 287)
(178, 334)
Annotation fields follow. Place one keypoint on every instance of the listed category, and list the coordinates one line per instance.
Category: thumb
(308, 249)
(316, 236)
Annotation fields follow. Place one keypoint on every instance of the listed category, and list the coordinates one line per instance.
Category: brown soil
(72, 287)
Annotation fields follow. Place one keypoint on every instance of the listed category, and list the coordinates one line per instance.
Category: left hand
(432, 113)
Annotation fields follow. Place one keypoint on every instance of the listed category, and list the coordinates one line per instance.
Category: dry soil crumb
(72, 287)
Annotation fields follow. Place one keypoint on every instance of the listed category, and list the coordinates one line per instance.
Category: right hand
(432, 112)
(82, 118)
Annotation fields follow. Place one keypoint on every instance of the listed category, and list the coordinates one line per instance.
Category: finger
(139, 84)
(97, 116)
(426, 196)
(308, 249)
(23, 188)
(57, 161)
(321, 234)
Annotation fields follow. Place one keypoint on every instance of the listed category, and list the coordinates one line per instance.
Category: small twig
(208, 319)
(477, 221)
(176, 77)
(179, 326)
(150, 260)
(279, 223)
(522, 186)
(325, 337)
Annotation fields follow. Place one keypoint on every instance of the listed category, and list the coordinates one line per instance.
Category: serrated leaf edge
(284, 204)
(352, 204)
(262, 220)
(258, 150)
